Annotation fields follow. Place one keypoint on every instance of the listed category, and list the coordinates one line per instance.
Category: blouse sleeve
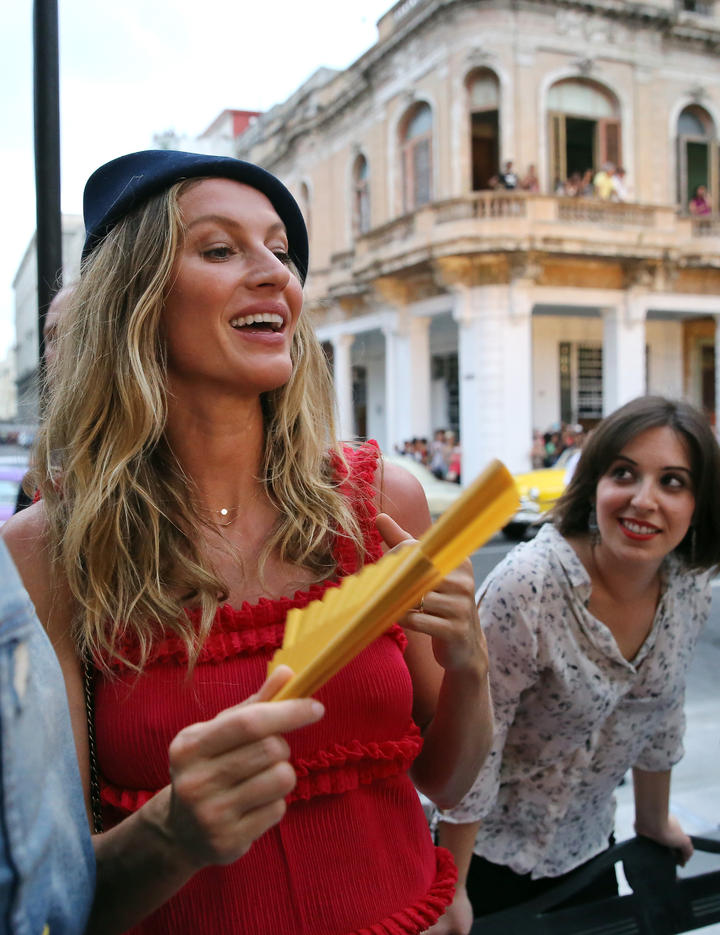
(508, 608)
(692, 608)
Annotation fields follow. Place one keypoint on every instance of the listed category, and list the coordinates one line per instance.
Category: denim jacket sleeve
(47, 867)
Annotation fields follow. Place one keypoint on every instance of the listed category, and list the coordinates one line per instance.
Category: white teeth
(270, 318)
(638, 528)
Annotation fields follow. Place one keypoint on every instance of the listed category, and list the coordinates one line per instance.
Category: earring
(693, 544)
(593, 527)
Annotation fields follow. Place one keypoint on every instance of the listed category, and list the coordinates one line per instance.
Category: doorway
(579, 144)
(485, 154)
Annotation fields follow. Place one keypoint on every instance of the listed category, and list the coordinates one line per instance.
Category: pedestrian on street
(591, 628)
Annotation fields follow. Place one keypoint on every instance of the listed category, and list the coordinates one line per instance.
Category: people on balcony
(700, 203)
(530, 182)
(507, 179)
(603, 181)
(619, 185)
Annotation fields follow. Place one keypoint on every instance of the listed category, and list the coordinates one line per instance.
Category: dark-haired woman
(590, 630)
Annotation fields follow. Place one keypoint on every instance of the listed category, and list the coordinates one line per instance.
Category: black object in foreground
(662, 903)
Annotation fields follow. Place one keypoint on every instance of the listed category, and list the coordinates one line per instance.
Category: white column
(342, 375)
(394, 434)
(518, 381)
(398, 421)
(407, 379)
(416, 383)
(624, 368)
(494, 363)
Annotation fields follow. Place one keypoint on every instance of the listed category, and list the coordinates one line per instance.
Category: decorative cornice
(298, 118)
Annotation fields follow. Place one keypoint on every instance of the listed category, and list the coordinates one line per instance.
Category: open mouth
(638, 529)
(263, 322)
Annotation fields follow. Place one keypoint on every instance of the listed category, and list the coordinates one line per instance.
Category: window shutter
(609, 149)
(558, 153)
(421, 169)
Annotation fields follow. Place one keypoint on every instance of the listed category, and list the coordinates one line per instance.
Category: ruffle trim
(248, 639)
(426, 911)
(359, 489)
(255, 628)
(342, 767)
(333, 770)
(236, 631)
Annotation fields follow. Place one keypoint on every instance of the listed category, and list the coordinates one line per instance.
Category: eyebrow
(275, 227)
(666, 467)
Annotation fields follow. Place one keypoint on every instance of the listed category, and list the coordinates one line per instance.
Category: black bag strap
(89, 686)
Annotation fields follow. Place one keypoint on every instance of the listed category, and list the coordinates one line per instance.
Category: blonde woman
(193, 492)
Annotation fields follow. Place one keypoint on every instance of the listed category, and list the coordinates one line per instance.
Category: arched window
(361, 196)
(484, 105)
(416, 143)
(698, 159)
(584, 129)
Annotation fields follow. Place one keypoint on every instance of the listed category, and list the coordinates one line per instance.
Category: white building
(444, 304)
(8, 393)
(26, 313)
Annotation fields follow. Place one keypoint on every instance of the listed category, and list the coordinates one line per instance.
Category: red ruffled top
(353, 854)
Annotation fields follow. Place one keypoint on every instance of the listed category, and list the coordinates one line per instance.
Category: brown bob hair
(700, 548)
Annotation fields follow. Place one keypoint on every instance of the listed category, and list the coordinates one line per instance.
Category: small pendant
(223, 512)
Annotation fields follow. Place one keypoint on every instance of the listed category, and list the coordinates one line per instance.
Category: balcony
(502, 222)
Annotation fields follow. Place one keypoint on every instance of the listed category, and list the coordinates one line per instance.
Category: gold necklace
(224, 512)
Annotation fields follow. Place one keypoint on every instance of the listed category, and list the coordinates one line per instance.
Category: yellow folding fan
(324, 636)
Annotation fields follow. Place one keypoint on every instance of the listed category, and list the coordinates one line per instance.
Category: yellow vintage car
(538, 491)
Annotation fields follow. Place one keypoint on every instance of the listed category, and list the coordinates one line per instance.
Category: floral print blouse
(572, 714)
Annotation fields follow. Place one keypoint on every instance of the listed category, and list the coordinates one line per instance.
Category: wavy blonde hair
(120, 509)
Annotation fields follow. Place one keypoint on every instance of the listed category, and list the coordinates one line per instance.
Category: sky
(131, 69)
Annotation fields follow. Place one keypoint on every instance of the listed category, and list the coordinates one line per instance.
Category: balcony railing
(490, 205)
(706, 226)
(605, 212)
(492, 222)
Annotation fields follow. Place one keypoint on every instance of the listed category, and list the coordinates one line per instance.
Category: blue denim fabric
(47, 866)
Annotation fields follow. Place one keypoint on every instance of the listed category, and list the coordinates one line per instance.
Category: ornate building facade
(444, 304)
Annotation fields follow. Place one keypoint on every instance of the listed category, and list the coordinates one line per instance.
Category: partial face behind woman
(234, 300)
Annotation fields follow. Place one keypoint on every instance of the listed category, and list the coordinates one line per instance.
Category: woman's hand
(230, 775)
(448, 614)
(458, 917)
(671, 835)
(652, 812)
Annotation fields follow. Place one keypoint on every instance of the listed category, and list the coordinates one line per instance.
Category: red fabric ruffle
(426, 911)
(331, 771)
(342, 767)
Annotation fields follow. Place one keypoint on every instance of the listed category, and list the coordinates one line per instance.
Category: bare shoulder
(26, 536)
(401, 496)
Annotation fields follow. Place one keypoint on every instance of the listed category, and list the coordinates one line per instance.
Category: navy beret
(116, 188)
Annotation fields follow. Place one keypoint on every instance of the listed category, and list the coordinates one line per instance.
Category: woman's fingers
(393, 535)
(272, 684)
(231, 775)
(244, 724)
(219, 826)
